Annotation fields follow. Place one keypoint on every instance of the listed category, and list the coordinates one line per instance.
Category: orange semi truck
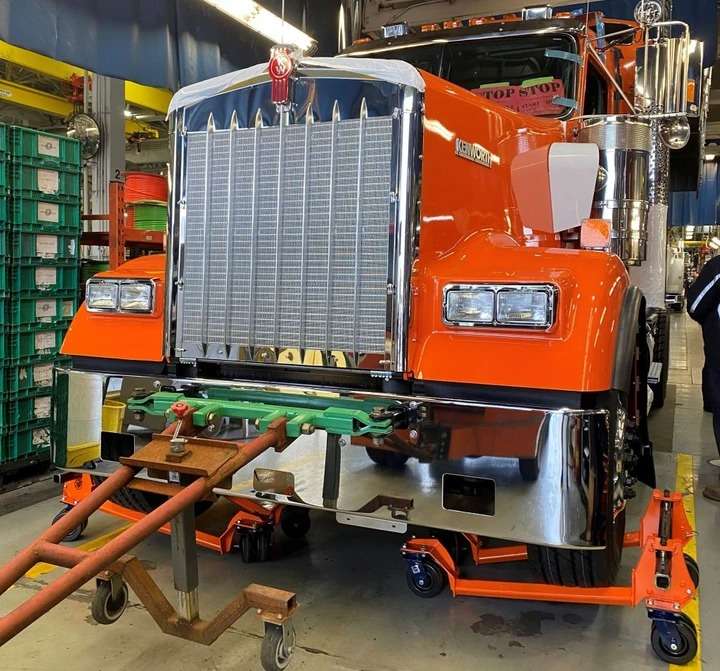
(417, 254)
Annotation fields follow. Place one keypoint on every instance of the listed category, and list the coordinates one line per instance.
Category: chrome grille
(287, 239)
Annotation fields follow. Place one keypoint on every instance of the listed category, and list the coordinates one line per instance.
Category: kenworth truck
(417, 254)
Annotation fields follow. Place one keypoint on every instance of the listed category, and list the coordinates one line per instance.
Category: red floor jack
(223, 524)
(664, 578)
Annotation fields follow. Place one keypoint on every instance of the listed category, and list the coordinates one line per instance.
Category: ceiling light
(712, 245)
(128, 114)
(263, 21)
(710, 157)
(715, 240)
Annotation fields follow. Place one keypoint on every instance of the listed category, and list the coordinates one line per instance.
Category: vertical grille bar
(228, 236)
(358, 226)
(207, 201)
(303, 230)
(253, 226)
(279, 222)
(331, 216)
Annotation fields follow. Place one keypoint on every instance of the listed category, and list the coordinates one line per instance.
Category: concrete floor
(356, 612)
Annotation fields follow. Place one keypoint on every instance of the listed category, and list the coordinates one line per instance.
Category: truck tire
(661, 354)
(144, 502)
(585, 568)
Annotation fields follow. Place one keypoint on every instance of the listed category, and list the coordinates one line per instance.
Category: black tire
(693, 569)
(248, 547)
(661, 354)
(263, 541)
(586, 568)
(295, 522)
(430, 584)
(678, 649)
(387, 459)
(529, 469)
(105, 609)
(76, 532)
(143, 502)
(277, 648)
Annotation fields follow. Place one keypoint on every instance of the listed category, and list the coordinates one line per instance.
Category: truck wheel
(661, 354)
(586, 568)
(386, 458)
(143, 502)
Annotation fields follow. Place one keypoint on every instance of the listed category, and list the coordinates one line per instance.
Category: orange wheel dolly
(192, 467)
(664, 578)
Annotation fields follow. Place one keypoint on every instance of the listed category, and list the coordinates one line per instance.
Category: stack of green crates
(42, 275)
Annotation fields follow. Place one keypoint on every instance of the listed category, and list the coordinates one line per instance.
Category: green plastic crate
(26, 344)
(44, 149)
(4, 174)
(30, 440)
(32, 406)
(31, 310)
(35, 182)
(31, 245)
(46, 278)
(4, 209)
(3, 139)
(49, 214)
(28, 376)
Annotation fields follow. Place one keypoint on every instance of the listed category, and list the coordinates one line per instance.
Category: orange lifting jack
(664, 578)
(193, 467)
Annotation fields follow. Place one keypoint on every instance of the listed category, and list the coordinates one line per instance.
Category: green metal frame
(304, 414)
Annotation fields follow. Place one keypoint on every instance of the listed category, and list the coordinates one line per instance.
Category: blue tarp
(691, 208)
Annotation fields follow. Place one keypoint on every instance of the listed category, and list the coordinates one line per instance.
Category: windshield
(530, 74)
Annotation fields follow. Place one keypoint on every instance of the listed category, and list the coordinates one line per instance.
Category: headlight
(525, 306)
(470, 306)
(102, 295)
(136, 296)
(506, 305)
(120, 295)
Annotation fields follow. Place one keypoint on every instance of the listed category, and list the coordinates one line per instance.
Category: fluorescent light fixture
(710, 157)
(715, 240)
(263, 21)
(712, 245)
(128, 114)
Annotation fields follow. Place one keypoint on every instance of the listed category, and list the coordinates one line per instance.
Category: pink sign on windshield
(536, 99)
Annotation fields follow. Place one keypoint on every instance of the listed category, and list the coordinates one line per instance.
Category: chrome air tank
(622, 193)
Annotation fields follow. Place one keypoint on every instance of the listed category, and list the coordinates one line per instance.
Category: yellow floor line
(94, 544)
(685, 483)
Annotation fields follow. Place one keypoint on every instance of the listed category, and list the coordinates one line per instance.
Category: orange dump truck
(417, 255)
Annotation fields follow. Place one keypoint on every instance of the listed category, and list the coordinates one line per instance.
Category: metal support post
(331, 481)
(185, 563)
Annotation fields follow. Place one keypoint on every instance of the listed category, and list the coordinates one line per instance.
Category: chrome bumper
(471, 483)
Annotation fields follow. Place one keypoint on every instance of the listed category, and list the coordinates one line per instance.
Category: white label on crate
(48, 146)
(48, 181)
(42, 375)
(44, 341)
(41, 437)
(42, 407)
(45, 277)
(45, 309)
(48, 212)
(46, 246)
(68, 309)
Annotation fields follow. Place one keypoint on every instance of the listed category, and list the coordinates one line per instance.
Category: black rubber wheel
(248, 548)
(529, 469)
(295, 522)
(693, 569)
(144, 502)
(263, 541)
(680, 648)
(76, 532)
(277, 647)
(586, 568)
(661, 354)
(387, 459)
(428, 585)
(105, 609)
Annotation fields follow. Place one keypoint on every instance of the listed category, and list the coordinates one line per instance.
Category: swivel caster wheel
(425, 578)
(255, 545)
(674, 642)
(277, 646)
(295, 522)
(76, 532)
(387, 459)
(107, 607)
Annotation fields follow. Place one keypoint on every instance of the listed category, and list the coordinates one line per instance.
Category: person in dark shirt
(703, 303)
